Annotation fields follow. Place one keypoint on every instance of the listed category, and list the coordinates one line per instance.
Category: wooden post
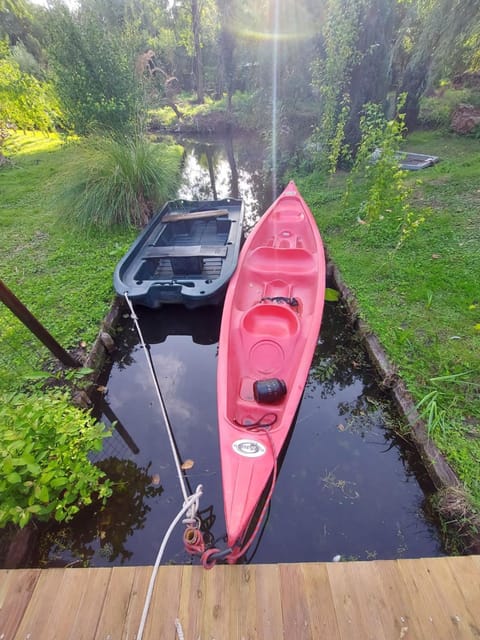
(23, 314)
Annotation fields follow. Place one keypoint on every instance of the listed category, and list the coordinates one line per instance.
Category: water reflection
(229, 167)
(104, 533)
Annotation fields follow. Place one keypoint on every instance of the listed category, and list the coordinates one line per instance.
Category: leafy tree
(94, 68)
(332, 73)
(436, 38)
(198, 56)
(351, 69)
(25, 102)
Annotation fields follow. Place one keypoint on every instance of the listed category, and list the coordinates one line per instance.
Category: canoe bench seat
(186, 259)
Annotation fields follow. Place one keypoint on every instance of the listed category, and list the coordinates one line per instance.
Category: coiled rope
(187, 505)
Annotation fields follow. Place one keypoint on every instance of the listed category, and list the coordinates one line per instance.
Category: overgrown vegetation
(44, 458)
(94, 70)
(421, 298)
(56, 271)
(117, 182)
(377, 180)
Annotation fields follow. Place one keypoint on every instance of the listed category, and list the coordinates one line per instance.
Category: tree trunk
(414, 82)
(197, 60)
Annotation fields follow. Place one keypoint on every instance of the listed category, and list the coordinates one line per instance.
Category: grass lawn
(63, 276)
(423, 299)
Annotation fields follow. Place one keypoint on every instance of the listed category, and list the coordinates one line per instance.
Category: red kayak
(269, 331)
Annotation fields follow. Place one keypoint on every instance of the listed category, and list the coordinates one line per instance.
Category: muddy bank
(217, 122)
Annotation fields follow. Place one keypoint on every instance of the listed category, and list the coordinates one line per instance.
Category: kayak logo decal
(249, 448)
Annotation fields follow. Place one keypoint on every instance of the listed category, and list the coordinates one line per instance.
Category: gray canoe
(185, 255)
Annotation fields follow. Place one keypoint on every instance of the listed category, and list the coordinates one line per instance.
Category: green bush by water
(117, 182)
(45, 471)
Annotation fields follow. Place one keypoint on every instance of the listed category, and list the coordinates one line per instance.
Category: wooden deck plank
(215, 615)
(320, 601)
(138, 594)
(431, 614)
(60, 620)
(399, 615)
(16, 589)
(268, 604)
(116, 604)
(436, 598)
(466, 572)
(165, 605)
(243, 602)
(461, 613)
(89, 607)
(357, 600)
(192, 602)
(299, 619)
(37, 613)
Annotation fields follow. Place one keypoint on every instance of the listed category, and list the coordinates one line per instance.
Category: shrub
(377, 186)
(436, 111)
(117, 181)
(45, 470)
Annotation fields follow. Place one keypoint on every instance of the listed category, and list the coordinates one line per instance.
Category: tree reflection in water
(103, 532)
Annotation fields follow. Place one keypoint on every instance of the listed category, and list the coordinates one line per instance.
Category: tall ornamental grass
(117, 182)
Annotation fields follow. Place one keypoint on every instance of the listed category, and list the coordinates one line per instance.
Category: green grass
(423, 299)
(62, 275)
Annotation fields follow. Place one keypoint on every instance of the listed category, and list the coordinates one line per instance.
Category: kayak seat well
(293, 261)
(271, 320)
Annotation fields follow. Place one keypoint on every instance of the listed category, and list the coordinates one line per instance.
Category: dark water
(348, 485)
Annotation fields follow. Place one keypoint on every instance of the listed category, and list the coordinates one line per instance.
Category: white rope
(190, 503)
(186, 506)
(178, 627)
(181, 477)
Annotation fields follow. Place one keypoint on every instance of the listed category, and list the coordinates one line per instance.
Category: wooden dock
(431, 599)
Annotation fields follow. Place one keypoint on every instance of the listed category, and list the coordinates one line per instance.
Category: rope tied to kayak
(265, 422)
(212, 556)
(191, 514)
(193, 538)
(191, 503)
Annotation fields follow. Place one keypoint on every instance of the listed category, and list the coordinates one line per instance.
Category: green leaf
(34, 469)
(14, 478)
(332, 295)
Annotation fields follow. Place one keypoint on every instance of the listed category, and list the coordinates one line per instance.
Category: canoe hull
(270, 325)
(185, 255)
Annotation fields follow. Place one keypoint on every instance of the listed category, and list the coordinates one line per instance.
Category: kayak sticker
(249, 448)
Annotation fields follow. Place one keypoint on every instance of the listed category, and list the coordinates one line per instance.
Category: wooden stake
(24, 315)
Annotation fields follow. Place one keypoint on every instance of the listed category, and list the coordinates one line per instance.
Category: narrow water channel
(348, 487)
